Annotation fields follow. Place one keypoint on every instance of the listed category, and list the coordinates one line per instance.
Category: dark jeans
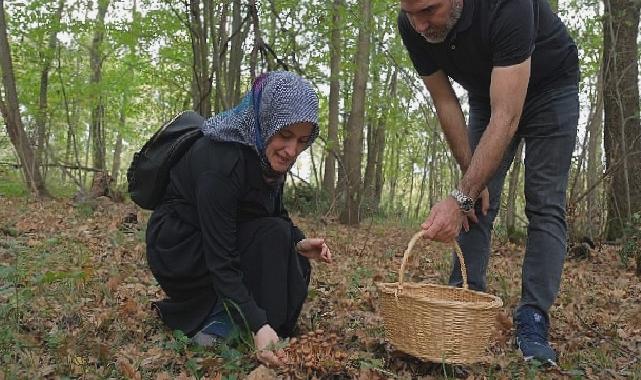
(549, 126)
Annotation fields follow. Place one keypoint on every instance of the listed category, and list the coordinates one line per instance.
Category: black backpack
(148, 174)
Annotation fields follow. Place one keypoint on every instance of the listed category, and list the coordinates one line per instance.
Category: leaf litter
(75, 297)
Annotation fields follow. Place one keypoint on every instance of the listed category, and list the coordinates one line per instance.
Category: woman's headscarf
(277, 99)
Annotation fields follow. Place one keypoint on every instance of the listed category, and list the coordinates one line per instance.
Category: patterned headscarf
(276, 100)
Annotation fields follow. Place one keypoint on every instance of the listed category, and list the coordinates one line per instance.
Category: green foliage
(180, 342)
(357, 279)
(305, 199)
(11, 185)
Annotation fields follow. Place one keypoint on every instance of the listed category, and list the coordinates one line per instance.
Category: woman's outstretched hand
(265, 339)
(315, 249)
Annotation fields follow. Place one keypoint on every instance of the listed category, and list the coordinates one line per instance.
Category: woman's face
(285, 146)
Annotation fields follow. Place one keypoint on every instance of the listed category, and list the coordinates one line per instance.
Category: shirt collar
(466, 17)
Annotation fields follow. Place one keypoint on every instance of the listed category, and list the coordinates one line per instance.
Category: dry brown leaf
(261, 373)
(163, 376)
(503, 322)
(369, 374)
(128, 370)
(129, 306)
(113, 282)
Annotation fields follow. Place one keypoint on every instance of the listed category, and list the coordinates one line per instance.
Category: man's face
(433, 19)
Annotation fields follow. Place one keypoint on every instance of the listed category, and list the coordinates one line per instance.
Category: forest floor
(75, 294)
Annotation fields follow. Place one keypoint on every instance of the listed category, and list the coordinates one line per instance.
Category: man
(520, 69)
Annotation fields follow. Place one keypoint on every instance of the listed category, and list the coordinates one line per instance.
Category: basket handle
(406, 256)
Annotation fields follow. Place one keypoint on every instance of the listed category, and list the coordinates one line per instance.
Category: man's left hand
(444, 222)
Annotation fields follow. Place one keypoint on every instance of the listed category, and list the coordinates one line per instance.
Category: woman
(221, 243)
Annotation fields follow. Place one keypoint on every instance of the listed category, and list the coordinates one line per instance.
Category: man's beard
(436, 36)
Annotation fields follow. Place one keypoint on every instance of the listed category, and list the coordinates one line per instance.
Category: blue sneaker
(532, 335)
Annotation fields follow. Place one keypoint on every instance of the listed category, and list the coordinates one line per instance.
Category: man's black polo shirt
(497, 33)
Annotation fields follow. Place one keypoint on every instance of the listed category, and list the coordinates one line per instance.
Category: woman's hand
(264, 340)
(315, 249)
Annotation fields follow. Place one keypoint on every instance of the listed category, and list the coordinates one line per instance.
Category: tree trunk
(595, 165)
(235, 56)
(380, 144)
(10, 109)
(218, 58)
(368, 177)
(329, 178)
(41, 116)
(98, 111)
(379, 108)
(353, 146)
(433, 166)
(421, 193)
(71, 119)
(409, 203)
(622, 131)
(115, 168)
(395, 159)
(199, 31)
(513, 185)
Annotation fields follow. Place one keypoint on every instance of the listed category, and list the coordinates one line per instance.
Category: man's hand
(484, 196)
(264, 340)
(444, 222)
(315, 249)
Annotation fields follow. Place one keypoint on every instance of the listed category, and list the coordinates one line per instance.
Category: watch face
(467, 204)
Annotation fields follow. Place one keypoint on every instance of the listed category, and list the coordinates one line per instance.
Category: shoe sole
(547, 362)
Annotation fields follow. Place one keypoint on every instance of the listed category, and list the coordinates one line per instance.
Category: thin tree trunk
(368, 177)
(395, 170)
(197, 45)
(70, 124)
(380, 144)
(423, 179)
(353, 146)
(329, 178)
(314, 169)
(199, 32)
(433, 166)
(372, 130)
(46, 56)
(409, 205)
(235, 56)
(115, 168)
(218, 60)
(595, 165)
(98, 111)
(622, 130)
(513, 185)
(10, 109)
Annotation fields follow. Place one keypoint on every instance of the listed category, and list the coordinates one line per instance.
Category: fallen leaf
(261, 373)
(127, 370)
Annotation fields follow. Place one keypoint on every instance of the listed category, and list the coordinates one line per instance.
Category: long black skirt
(274, 273)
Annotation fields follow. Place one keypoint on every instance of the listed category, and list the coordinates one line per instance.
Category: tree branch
(17, 165)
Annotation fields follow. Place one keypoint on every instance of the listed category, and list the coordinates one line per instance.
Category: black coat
(192, 246)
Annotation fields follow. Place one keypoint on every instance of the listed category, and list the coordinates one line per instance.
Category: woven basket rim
(492, 302)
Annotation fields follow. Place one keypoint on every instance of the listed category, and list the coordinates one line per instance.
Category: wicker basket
(438, 323)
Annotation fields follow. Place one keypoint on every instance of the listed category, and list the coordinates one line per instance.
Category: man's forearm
(507, 95)
(455, 130)
(488, 154)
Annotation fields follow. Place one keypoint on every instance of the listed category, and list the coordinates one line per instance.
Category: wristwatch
(465, 203)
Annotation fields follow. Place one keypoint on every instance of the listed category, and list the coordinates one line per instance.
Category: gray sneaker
(203, 339)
